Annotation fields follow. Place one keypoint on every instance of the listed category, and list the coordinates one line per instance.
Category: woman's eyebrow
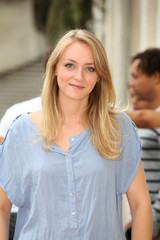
(71, 60)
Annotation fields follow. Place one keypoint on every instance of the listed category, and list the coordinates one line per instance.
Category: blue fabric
(63, 196)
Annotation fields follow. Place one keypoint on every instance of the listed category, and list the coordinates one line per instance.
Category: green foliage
(56, 16)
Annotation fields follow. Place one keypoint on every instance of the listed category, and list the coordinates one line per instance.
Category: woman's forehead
(78, 50)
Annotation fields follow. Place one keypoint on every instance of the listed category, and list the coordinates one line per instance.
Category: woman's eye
(90, 69)
(69, 65)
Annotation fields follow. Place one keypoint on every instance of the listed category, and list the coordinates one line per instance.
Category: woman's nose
(79, 74)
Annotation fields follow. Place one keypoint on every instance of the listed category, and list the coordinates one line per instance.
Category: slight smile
(76, 86)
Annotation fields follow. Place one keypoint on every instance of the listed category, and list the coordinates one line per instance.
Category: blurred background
(29, 27)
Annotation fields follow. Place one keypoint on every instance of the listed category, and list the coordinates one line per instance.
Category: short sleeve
(12, 167)
(128, 165)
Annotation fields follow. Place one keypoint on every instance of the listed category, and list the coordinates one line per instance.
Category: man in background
(145, 82)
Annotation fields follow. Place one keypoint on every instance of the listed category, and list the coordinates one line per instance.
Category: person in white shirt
(145, 81)
(15, 110)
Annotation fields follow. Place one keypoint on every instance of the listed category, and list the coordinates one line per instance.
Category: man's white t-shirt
(17, 109)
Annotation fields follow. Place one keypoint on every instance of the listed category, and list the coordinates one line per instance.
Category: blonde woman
(67, 166)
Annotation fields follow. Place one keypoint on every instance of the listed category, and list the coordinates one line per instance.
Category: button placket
(71, 192)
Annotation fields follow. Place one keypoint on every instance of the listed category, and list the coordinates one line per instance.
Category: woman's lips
(76, 86)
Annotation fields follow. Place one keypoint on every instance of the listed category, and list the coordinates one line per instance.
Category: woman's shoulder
(16, 130)
(122, 117)
(36, 119)
(23, 127)
(19, 121)
(126, 124)
(24, 122)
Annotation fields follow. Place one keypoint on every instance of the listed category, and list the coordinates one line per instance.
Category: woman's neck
(73, 111)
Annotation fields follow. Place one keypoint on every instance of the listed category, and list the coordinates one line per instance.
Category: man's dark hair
(149, 61)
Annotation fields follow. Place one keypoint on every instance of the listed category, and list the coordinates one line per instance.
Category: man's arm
(145, 118)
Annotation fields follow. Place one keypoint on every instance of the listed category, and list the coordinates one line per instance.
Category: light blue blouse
(66, 196)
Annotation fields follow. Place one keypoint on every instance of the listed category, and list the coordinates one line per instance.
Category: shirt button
(72, 193)
(70, 174)
(73, 213)
(72, 139)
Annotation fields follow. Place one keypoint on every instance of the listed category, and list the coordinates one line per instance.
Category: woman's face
(76, 75)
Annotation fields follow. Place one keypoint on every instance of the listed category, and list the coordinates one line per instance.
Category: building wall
(145, 25)
(126, 27)
(21, 84)
(22, 48)
(20, 42)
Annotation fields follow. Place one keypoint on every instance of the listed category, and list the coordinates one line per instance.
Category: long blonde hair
(106, 134)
